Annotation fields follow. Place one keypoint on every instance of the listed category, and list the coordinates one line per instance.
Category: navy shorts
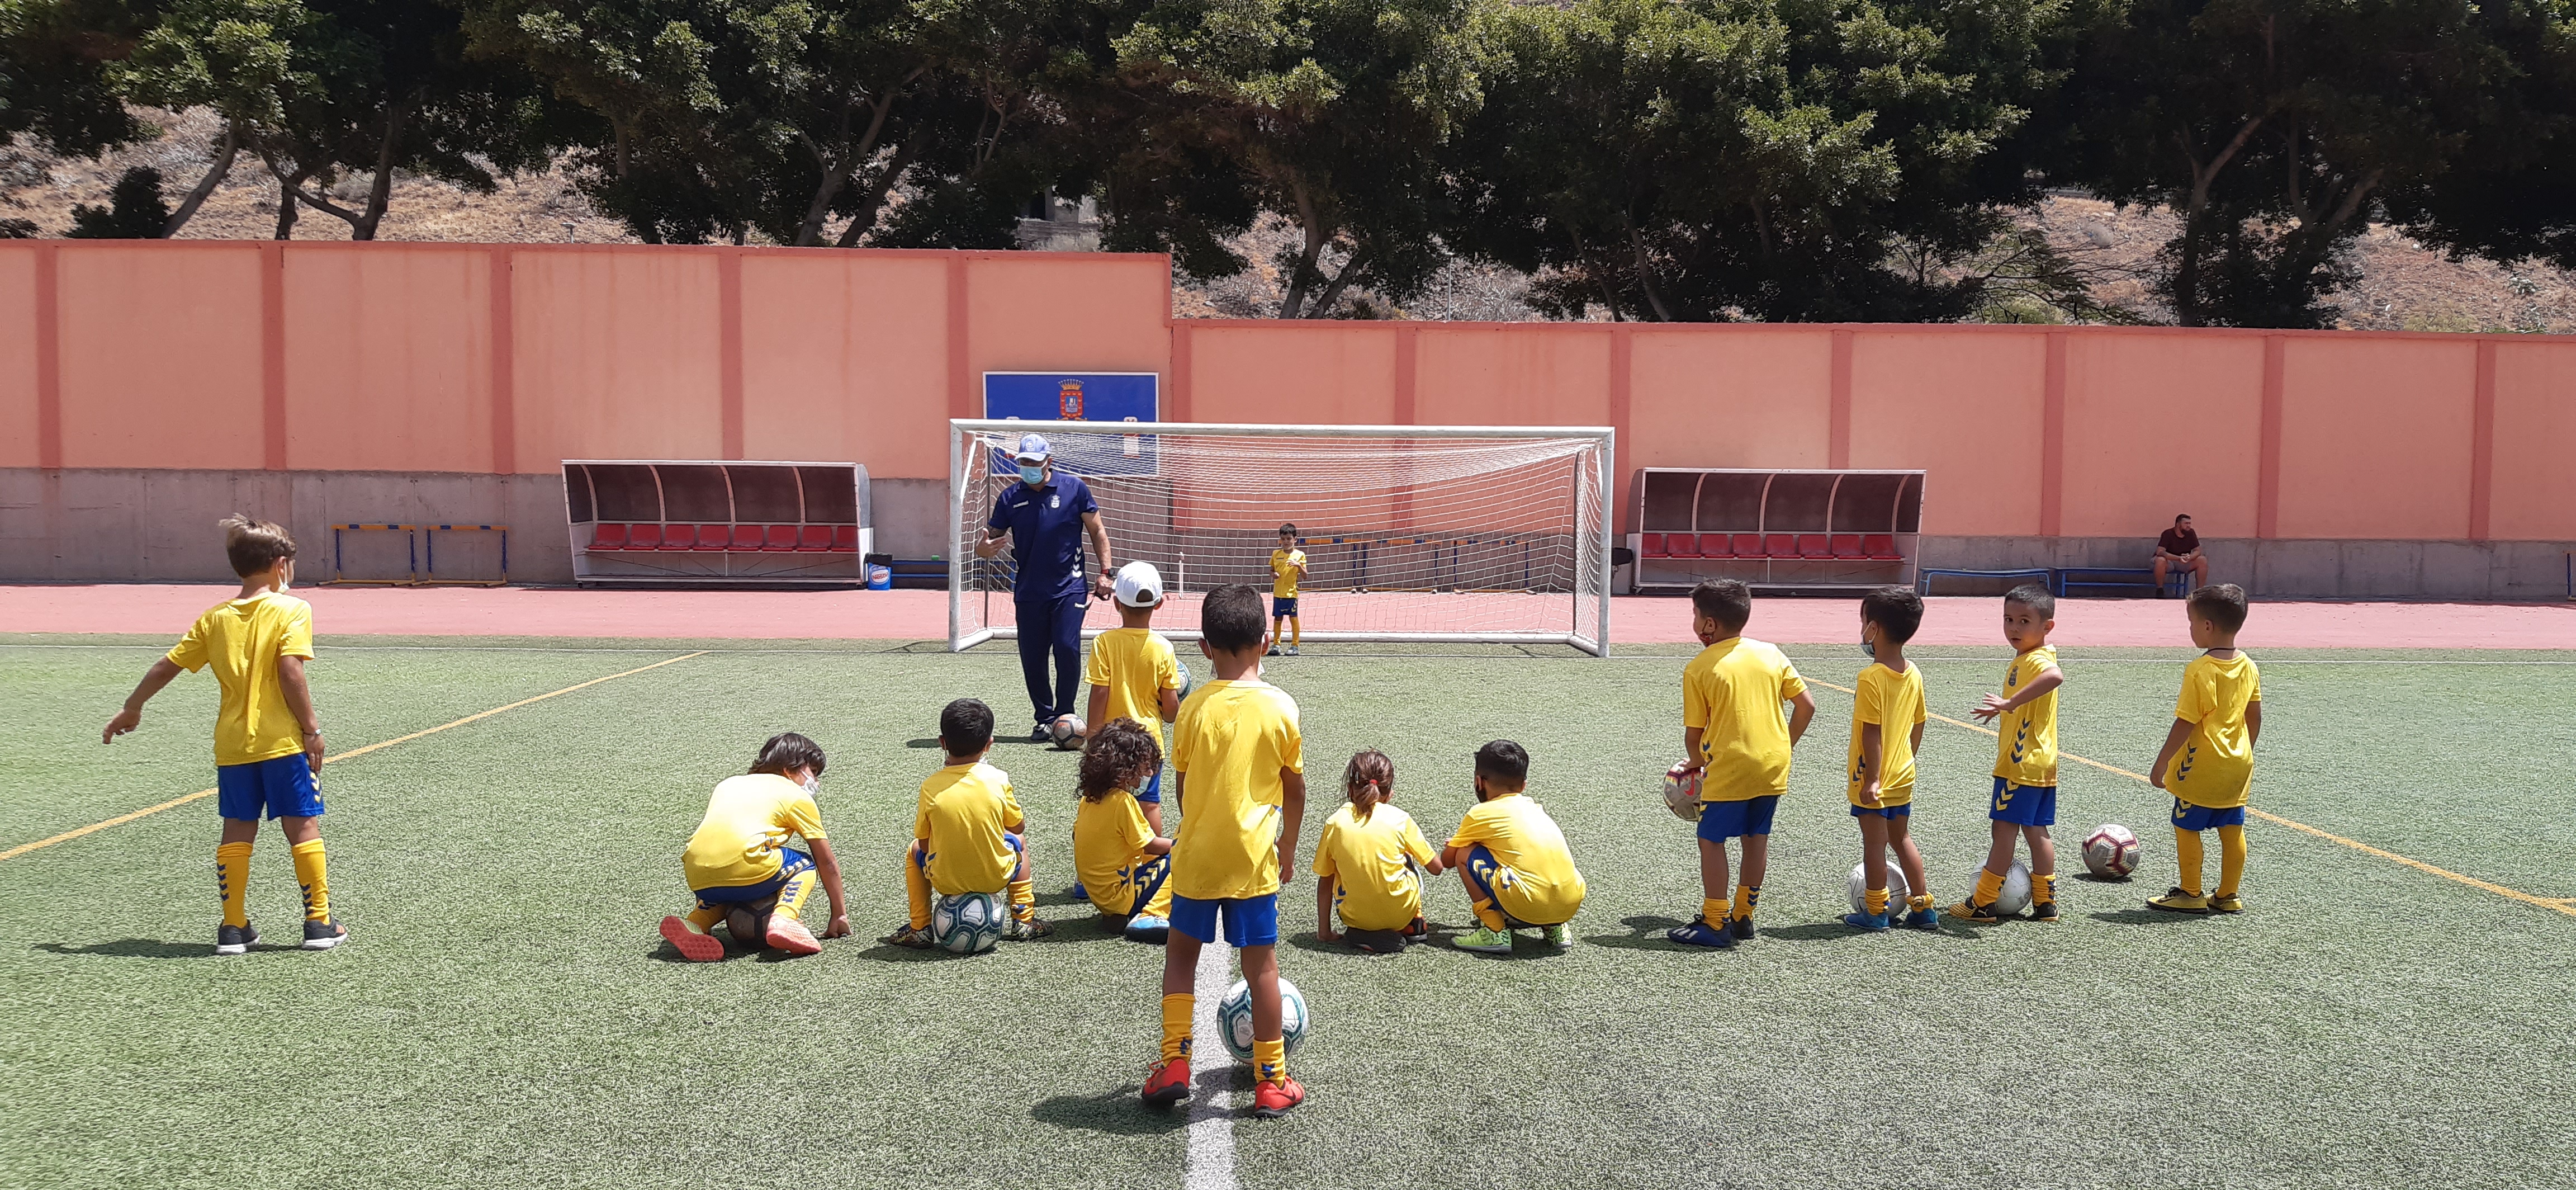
(791, 864)
(2024, 805)
(1249, 921)
(2188, 817)
(1152, 793)
(1283, 607)
(1720, 821)
(1905, 810)
(284, 785)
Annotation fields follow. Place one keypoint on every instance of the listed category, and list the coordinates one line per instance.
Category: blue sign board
(1105, 397)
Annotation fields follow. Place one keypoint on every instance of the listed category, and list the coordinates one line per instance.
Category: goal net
(1411, 533)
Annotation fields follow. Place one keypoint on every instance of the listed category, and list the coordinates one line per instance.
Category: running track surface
(166, 610)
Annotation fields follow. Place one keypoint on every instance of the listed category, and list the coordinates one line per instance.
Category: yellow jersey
(1373, 859)
(1894, 702)
(1732, 692)
(1229, 744)
(964, 811)
(1136, 665)
(1109, 856)
(749, 818)
(242, 639)
(1286, 568)
(2216, 765)
(2026, 736)
(1545, 887)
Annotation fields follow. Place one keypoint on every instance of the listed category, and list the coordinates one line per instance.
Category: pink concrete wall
(1037, 312)
(392, 364)
(161, 355)
(2535, 440)
(620, 349)
(1966, 407)
(846, 361)
(1341, 374)
(2160, 425)
(2365, 425)
(18, 360)
(1513, 375)
(1746, 398)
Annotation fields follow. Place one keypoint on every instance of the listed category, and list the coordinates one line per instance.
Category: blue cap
(1032, 446)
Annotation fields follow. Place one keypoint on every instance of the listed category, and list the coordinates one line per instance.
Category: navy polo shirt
(1046, 536)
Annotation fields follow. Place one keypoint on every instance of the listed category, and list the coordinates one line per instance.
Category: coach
(1046, 516)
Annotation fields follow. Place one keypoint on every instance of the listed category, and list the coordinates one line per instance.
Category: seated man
(2180, 547)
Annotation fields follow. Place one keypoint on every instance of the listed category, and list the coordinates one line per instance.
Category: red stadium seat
(814, 539)
(1713, 545)
(1650, 545)
(715, 537)
(608, 536)
(1815, 545)
(1748, 545)
(1681, 545)
(1780, 545)
(781, 539)
(1880, 547)
(644, 537)
(1846, 545)
(845, 539)
(679, 537)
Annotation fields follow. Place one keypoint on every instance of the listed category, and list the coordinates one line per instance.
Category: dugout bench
(1776, 529)
(705, 523)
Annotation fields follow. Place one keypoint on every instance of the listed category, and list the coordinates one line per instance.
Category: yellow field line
(2566, 905)
(351, 754)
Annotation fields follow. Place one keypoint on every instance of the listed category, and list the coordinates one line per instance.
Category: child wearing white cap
(1134, 674)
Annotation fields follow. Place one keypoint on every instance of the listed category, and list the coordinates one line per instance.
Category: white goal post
(1490, 534)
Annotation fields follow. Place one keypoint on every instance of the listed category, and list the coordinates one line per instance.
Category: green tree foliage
(56, 85)
(2512, 192)
(135, 210)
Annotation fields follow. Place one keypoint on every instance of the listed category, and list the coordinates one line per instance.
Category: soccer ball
(1234, 1018)
(1897, 889)
(1066, 731)
(968, 923)
(1681, 793)
(2015, 895)
(2111, 852)
(1188, 683)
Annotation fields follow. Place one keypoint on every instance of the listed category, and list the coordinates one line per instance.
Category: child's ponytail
(1370, 779)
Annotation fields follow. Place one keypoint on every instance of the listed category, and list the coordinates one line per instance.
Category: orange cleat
(1170, 1083)
(692, 945)
(790, 935)
(1272, 1100)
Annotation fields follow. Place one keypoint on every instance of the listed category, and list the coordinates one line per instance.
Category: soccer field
(504, 1014)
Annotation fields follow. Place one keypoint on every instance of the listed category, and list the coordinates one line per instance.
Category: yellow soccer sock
(791, 899)
(916, 893)
(1747, 897)
(1920, 901)
(1875, 900)
(1296, 632)
(1488, 916)
(1024, 899)
(2231, 859)
(704, 918)
(313, 872)
(2043, 889)
(1989, 886)
(1270, 1059)
(1712, 911)
(1180, 1013)
(2187, 853)
(232, 882)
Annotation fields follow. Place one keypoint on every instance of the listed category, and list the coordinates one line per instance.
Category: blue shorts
(1249, 921)
(791, 864)
(2024, 805)
(1905, 810)
(282, 784)
(1152, 793)
(1283, 607)
(2188, 817)
(1720, 821)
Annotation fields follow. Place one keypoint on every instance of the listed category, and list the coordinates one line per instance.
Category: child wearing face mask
(741, 868)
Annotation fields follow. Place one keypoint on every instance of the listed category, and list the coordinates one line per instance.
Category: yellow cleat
(2227, 903)
(2178, 901)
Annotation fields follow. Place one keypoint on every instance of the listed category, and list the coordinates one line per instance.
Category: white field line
(1210, 1164)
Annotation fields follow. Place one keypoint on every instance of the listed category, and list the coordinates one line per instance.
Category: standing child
(1518, 871)
(1287, 569)
(1124, 863)
(1365, 860)
(967, 833)
(2025, 719)
(1135, 675)
(1236, 749)
(267, 737)
(1738, 742)
(2208, 758)
(1887, 728)
(741, 868)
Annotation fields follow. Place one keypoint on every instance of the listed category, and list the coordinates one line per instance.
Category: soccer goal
(1411, 533)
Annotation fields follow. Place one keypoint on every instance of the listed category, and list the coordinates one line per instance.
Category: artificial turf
(505, 1016)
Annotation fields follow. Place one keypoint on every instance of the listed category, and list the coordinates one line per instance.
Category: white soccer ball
(1897, 889)
(968, 923)
(1681, 792)
(2111, 851)
(1234, 1018)
(2015, 895)
(1188, 683)
(1066, 731)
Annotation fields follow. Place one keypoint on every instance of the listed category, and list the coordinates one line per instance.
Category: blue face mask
(1032, 476)
(1867, 649)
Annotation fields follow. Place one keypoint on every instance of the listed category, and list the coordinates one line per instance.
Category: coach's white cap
(1033, 448)
(1139, 585)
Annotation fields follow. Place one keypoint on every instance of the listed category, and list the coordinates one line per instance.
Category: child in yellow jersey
(1887, 729)
(1365, 860)
(1238, 778)
(743, 872)
(1736, 740)
(1518, 871)
(968, 835)
(2208, 758)
(1287, 569)
(1135, 675)
(1125, 865)
(2025, 719)
(268, 739)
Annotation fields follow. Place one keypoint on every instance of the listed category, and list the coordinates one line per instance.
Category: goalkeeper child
(743, 872)
(1287, 569)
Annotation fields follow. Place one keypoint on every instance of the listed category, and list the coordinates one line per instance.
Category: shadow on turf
(1117, 1112)
(144, 948)
(2145, 917)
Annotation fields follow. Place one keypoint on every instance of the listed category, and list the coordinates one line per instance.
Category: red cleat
(1272, 1100)
(1170, 1083)
(692, 945)
(790, 935)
